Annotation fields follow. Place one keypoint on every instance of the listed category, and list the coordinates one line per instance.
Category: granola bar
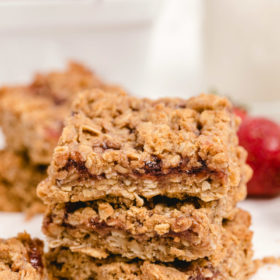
(21, 258)
(118, 145)
(32, 116)
(18, 181)
(233, 262)
(162, 229)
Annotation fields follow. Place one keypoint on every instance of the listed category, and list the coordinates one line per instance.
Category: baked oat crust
(118, 145)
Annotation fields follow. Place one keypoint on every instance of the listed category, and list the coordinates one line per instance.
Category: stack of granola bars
(145, 190)
(32, 117)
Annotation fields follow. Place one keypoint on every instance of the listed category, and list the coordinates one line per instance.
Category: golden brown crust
(118, 145)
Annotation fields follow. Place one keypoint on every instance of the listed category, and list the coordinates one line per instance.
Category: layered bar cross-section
(233, 262)
(122, 146)
(163, 229)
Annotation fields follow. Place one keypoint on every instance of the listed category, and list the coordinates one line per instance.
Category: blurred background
(175, 47)
(161, 48)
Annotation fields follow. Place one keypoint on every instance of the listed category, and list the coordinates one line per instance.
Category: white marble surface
(266, 227)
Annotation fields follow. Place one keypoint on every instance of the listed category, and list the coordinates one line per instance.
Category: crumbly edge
(236, 261)
(205, 161)
(185, 230)
(22, 256)
(94, 189)
(206, 119)
(99, 227)
(85, 190)
(18, 181)
(123, 120)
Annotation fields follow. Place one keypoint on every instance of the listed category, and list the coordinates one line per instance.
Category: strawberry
(240, 112)
(261, 138)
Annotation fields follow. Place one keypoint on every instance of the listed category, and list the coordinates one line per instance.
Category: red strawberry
(261, 138)
(240, 112)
